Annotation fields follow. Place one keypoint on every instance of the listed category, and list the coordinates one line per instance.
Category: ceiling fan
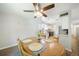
(40, 11)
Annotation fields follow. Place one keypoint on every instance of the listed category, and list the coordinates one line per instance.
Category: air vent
(64, 14)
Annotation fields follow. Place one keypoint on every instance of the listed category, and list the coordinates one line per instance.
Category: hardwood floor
(13, 51)
(75, 46)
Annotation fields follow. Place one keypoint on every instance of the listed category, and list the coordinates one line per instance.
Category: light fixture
(38, 14)
(41, 10)
(37, 8)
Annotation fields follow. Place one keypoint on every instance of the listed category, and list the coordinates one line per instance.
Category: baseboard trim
(8, 46)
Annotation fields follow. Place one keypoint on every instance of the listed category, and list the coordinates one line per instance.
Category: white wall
(73, 19)
(66, 39)
(14, 26)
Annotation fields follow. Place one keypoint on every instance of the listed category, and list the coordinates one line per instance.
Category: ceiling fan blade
(35, 6)
(44, 14)
(48, 7)
(35, 16)
(39, 7)
(28, 10)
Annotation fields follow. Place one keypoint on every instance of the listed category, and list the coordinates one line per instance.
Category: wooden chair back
(23, 48)
(55, 39)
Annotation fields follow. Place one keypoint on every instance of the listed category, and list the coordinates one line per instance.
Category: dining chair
(54, 49)
(23, 49)
(54, 39)
(34, 39)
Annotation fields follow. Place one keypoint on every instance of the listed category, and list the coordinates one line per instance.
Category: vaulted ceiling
(18, 8)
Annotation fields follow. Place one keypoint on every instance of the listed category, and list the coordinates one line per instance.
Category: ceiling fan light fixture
(37, 8)
(41, 10)
(38, 14)
(35, 14)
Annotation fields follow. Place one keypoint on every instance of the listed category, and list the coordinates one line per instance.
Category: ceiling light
(38, 13)
(41, 10)
(37, 8)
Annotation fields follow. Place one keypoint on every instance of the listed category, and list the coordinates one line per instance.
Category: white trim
(8, 46)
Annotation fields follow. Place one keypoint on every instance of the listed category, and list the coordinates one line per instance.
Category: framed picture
(64, 31)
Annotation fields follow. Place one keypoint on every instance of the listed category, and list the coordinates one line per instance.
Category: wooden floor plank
(13, 51)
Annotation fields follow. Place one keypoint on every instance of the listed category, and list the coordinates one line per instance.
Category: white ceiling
(19, 7)
(60, 7)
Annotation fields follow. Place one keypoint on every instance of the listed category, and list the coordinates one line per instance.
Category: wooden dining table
(49, 48)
